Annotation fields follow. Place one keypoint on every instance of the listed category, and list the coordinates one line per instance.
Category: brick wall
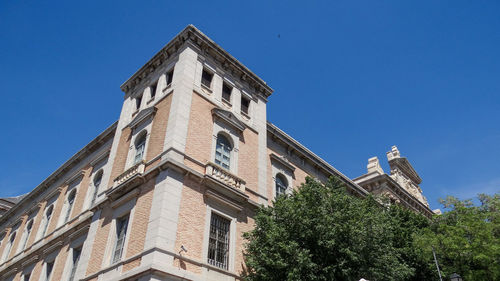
(158, 128)
(121, 155)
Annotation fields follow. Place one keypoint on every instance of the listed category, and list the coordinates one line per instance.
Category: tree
(466, 238)
(321, 232)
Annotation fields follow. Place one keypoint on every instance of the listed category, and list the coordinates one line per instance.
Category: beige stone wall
(121, 155)
(199, 138)
(191, 223)
(159, 128)
(248, 155)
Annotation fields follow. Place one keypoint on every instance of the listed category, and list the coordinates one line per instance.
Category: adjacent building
(166, 192)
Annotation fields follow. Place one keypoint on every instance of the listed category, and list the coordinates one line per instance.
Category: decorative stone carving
(374, 166)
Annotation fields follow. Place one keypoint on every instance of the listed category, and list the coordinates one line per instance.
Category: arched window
(97, 182)
(71, 201)
(223, 152)
(281, 185)
(140, 145)
(48, 215)
(27, 233)
(8, 248)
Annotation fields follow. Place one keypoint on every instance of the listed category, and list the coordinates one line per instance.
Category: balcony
(137, 169)
(224, 176)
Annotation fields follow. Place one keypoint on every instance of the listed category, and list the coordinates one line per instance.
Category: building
(166, 192)
(400, 187)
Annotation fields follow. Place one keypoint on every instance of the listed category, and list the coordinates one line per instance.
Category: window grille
(121, 234)
(223, 152)
(76, 259)
(218, 245)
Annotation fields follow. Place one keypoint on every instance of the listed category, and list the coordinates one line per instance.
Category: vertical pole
(437, 265)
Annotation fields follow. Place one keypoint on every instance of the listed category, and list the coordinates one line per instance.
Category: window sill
(206, 88)
(227, 103)
(244, 114)
(166, 88)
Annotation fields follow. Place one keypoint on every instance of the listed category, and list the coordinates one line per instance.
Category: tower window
(140, 145)
(245, 105)
(138, 102)
(170, 75)
(281, 185)
(206, 79)
(226, 92)
(153, 89)
(223, 152)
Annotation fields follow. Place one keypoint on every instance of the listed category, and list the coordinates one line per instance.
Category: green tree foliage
(321, 232)
(466, 238)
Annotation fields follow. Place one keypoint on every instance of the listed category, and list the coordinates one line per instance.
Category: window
(138, 101)
(27, 276)
(281, 185)
(152, 88)
(97, 182)
(27, 233)
(48, 270)
(226, 92)
(218, 244)
(121, 234)
(206, 79)
(223, 152)
(74, 265)
(245, 105)
(140, 145)
(170, 75)
(8, 248)
(48, 215)
(71, 201)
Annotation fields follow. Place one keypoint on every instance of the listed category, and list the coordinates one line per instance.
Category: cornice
(194, 37)
(315, 159)
(406, 167)
(60, 172)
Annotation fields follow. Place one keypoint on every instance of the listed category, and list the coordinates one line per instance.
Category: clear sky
(351, 79)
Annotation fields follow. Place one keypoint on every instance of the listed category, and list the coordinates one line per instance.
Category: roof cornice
(273, 129)
(194, 36)
(75, 159)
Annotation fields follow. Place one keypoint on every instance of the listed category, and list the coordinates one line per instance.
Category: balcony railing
(137, 169)
(217, 172)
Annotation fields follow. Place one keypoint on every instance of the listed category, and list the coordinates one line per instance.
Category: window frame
(46, 219)
(211, 82)
(114, 257)
(95, 191)
(224, 92)
(223, 152)
(140, 141)
(227, 264)
(70, 204)
(282, 185)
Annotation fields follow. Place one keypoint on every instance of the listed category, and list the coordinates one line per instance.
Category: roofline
(87, 149)
(197, 37)
(273, 129)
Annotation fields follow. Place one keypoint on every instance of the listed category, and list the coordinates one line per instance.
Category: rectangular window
(138, 101)
(170, 75)
(245, 105)
(153, 89)
(226, 92)
(48, 270)
(74, 265)
(121, 234)
(206, 79)
(218, 244)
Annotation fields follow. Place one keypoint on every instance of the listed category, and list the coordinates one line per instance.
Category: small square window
(170, 75)
(226, 92)
(245, 105)
(206, 78)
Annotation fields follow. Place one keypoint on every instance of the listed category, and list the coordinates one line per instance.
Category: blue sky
(351, 79)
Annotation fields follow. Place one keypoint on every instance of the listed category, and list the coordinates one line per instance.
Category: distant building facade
(166, 192)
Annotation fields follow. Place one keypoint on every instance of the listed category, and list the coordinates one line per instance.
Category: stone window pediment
(142, 116)
(229, 118)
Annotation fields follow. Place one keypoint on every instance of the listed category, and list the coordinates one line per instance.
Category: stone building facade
(166, 192)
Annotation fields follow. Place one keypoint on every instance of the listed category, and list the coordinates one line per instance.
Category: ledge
(283, 161)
